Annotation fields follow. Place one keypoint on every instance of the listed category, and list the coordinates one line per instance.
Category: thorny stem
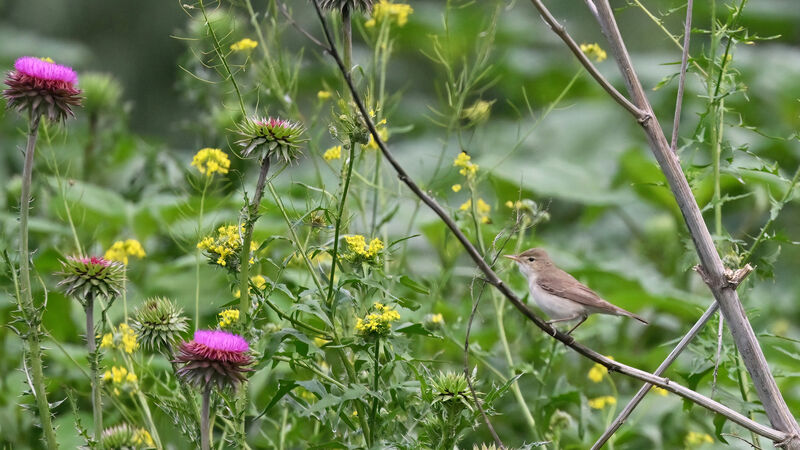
(29, 311)
(205, 431)
(247, 239)
(337, 229)
(91, 347)
(494, 280)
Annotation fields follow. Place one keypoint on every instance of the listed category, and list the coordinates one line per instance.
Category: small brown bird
(559, 294)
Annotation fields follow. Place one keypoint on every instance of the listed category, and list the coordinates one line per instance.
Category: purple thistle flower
(214, 358)
(44, 87)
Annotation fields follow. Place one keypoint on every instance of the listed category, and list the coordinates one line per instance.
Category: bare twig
(743, 335)
(687, 31)
(673, 355)
(494, 280)
(718, 355)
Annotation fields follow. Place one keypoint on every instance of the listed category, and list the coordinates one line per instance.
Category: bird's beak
(514, 257)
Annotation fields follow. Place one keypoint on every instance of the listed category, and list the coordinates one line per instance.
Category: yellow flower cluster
(378, 323)
(660, 391)
(594, 51)
(695, 438)
(123, 338)
(119, 377)
(257, 280)
(324, 95)
(437, 318)
(228, 317)
(225, 246)
(482, 208)
(456, 187)
(385, 10)
(121, 250)
(601, 402)
(468, 168)
(334, 152)
(598, 371)
(142, 437)
(244, 44)
(209, 161)
(359, 248)
(383, 133)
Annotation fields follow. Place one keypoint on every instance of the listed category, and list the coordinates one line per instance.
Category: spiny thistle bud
(452, 391)
(95, 277)
(214, 358)
(124, 436)
(101, 92)
(159, 323)
(278, 137)
(338, 5)
(42, 86)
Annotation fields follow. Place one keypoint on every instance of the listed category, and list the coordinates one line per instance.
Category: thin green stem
(249, 223)
(223, 60)
(375, 380)
(124, 292)
(337, 229)
(198, 256)
(31, 315)
(787, 196)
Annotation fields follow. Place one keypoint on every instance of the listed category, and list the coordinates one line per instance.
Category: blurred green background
(613, 222)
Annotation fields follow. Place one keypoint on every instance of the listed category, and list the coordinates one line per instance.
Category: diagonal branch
(492, 278)
(687, 32)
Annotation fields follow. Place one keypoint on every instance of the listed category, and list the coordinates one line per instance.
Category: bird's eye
(531, 258)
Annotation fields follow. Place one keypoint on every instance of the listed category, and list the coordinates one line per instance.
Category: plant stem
(347, 37)
(337, 230)
(124, 292)
(91, 348)
(376, 378)
(29, 311)
(198, 256)
(205, 438)
(249, 224)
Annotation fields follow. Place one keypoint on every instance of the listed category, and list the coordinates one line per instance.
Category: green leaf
(413, 285)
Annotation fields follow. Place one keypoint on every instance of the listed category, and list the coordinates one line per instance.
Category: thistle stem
(197, 256)
(249, 224)
(337, 230)
(91, 347)
(32, 316)
(205, 431)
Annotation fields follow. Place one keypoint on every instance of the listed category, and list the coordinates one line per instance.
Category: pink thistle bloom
(214, 358)
(44, 87)
(94, 260)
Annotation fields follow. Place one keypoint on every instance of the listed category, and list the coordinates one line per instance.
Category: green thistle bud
(452, 391)
(101, 93)
(278, 137)
(95, 277)
(338, 5)
(124, 437)
(159, 323)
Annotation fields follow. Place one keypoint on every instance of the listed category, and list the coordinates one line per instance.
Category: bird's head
(531, 261)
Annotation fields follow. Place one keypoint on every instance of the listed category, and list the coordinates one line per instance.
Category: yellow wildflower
(598, 371)
(694, 438)
(383, 133)
(377, 323)
(128, 340)
(209, 161)
(223, 248)
(228, 317)
(47, 59)
(437, 318)
(324, 95)
(244, 44)
(385, 10)
(320, 342)
(594, 51)
(119, 377)
(601, 402)
(660, 391)
(258, 280)
(121, 250)
(142, 437)
(483, 209)
(359, 248)
(334, 152)
(456, 187)
(468, 168)
(107, 341)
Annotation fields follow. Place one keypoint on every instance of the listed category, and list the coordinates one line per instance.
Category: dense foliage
(351, 298)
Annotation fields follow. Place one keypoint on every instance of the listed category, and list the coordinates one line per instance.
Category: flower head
(101, 93)
(379, 322)
(452, 390)
(214, 358)
(209, 161)
(594, 51)
(44, 87)
(228, 318)
(359, 250)
(338, 5)
(243, 45)
(122, 337)
(481, 207)
(159, 324)
(124, 436)
(467, 167)
(223, 249)
(601, 402)
(696, 439)
(385, 10)
(324, 95)
(383, 133)
(256, 280)
(276, 136)
(598, 371)
(121, 380)
(334, 152)
(95, 277)
(121, 250)
(478, 112)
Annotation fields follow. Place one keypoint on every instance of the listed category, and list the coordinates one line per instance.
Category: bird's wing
(565, 285)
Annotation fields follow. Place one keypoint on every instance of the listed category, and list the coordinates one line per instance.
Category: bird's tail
(623, 312)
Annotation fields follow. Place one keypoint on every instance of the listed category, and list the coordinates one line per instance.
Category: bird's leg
(583, 319)
(566, 319)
